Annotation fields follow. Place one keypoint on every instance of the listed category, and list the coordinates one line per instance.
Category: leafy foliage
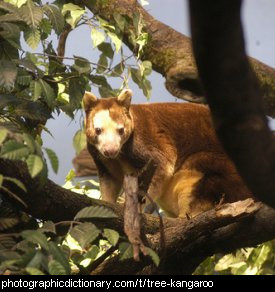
(249, 261)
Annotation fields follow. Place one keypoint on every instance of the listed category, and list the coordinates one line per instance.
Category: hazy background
(259, 23)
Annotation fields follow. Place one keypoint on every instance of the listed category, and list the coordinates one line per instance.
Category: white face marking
(109, 139)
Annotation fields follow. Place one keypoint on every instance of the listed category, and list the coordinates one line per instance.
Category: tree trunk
(233, 93)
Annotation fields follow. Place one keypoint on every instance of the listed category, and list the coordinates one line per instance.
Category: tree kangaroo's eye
(98, 131)
(121, 131)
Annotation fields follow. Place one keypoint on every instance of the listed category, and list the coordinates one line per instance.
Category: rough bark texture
(188, 242)
(233, 93)
(171, 54)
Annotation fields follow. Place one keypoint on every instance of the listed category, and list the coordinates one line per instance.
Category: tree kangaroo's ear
(125, 97)
(89, 100)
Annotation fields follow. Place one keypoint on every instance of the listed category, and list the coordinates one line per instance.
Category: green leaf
(7, 6)
(97, 37)
(36, 237)
(1, 180)
(85, 233)
(7, 223)
(34, 271)
(23, 78)
(79, 141)
(33, 259)
(146, 68)
(118, 70)
(47, 92)
(55, 268)
(75, 13)
(48, 226)
(95, 212)
(35, 89)
(59, 255)
(10, 17)
(3, 135)
(92, 252)
(30, 142)
(120, 20)
(53, 159)
(35, 164)
(16, 182)
(146, 88)
(14, 150)
(31, 14)
(100, 80)
(46, 27)
(82, 65)
(153, 255)
(106, 49)
(10, 31)
(55, 16)
(8, 72)
(102, 64)
(116, 40)
(111, 235)
(126, 251)
(136, 76)
(32, 37)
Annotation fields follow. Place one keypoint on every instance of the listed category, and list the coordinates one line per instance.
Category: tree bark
(171, 54)
(233, 93)
(188, 242)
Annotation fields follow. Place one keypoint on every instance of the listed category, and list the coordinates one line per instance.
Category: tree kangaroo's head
(108, 122)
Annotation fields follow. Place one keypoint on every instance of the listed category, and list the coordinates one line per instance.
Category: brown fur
(193, 173)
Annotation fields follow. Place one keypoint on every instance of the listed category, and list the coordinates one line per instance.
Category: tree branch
(188, 242)
(171, 54)
(233, 93)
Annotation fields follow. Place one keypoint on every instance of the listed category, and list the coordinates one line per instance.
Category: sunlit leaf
(111, 235)
(97, 37)
(75, 13)
(116, 40)
(153, 255)
(35, 164)
(85, 233)
(3, 135)
(34, 271)
(32, 37)
(79, 141)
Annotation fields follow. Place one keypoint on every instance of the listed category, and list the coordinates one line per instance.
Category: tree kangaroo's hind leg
(200, 183)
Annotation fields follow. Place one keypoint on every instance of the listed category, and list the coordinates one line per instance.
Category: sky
(259, 22)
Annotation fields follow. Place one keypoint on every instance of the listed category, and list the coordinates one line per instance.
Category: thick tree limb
(233, 93)
(191, 241)
(171, 54)
(188, 242)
